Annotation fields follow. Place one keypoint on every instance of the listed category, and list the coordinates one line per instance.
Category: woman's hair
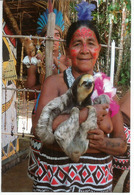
(76, 25)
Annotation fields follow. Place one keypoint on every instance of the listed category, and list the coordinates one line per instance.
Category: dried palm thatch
(26, 12)
(40, 4)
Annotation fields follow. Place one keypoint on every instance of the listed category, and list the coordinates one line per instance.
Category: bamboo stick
(19, 90)
(47, 38)
(19, 134)
(33, 37)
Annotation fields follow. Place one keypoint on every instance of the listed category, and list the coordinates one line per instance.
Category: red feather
(50, 6)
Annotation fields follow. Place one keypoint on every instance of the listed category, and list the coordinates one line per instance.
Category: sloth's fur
(70, 135)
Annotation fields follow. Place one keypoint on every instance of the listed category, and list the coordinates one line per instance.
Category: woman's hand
(101, 110)
(110, 145)
(96, 138)
(103, 118)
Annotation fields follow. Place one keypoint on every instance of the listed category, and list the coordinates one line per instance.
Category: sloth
(70, 135)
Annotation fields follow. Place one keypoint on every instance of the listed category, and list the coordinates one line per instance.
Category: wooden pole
(109, 42)
(1, 8)
(109, 39)
(49, 44)
(11, 18)
(121, 45)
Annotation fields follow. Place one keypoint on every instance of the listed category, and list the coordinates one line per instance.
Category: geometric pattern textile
(33, 158)
(57, 173)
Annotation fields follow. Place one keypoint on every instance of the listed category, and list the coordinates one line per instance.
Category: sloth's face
(83, 88)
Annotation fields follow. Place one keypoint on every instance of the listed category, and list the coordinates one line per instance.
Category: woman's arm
(31, 82)
(31, 77)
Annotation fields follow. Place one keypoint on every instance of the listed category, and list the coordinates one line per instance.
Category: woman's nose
(84, 49)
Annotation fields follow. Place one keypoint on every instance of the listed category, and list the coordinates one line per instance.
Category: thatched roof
(26, 12)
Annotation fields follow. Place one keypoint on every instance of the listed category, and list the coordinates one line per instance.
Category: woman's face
(84, 50)
(56, 43)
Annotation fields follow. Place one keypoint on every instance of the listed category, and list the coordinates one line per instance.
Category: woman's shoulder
(54, 77)
(54, 80)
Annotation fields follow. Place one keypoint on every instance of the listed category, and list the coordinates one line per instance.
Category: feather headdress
(84, 10)
(43, 19)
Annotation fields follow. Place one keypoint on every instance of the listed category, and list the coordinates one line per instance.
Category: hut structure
(19, 21)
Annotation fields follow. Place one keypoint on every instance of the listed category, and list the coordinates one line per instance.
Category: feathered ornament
(104, 86)
(43, 20)
(84, 10)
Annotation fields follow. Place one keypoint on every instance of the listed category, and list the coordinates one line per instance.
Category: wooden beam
(12, 19)
(49, 44)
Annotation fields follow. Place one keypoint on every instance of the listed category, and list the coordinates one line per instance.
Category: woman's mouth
(84, 59)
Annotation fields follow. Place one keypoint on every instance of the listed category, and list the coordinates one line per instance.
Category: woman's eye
(76, 44)
(91, 43)
(57, 36)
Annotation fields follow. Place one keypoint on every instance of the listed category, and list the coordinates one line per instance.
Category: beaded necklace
(54, 66)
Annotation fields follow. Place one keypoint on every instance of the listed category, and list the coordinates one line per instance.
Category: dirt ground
(16, 179)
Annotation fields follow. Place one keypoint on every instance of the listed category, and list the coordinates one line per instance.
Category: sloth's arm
(61, 118)
(100, 109)
(49, 87)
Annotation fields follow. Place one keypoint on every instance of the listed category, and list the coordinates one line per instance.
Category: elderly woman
(93, 172)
